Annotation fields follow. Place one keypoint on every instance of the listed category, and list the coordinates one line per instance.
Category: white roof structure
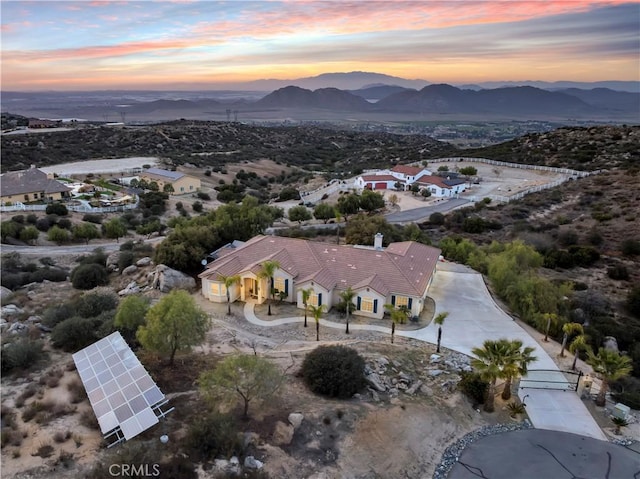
(123, 396)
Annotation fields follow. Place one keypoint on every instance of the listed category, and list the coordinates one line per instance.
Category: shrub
(436, 219)
(64, 223)
(88, 276)
(92, 218)
(56, 314)
(197, 206)
(127, 246)
(43, 224)
(90, 305)
(125, 258)
(631, 247)
(203, 196)
(334, 371)
(215, 435)
(74, 333)
(633, 301)
(474, 387)
(618, 272)
(21, 354)
(57, 209)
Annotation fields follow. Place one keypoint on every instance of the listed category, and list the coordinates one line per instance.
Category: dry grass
(76, 391)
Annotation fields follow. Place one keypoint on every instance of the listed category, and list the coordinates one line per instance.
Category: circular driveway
(542, 454)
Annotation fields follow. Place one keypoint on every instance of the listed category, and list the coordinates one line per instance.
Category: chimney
(377, 241)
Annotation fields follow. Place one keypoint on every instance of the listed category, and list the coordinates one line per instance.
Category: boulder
(414, 387)
(132, 288)
(435, 372)
(142, 262)
(376, 382)
(282, 434)
(165, 279)
(112, 261)
(5, 293)
(34, 319)
(251, 462)
(10, 310)
(610, 343)
(18, 328)
(295, 419)
(130, 269)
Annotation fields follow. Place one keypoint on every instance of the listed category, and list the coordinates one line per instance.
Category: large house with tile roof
(399, 274)
(181, 182)
(26, 186)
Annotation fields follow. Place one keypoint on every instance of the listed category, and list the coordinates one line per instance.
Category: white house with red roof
(399, 274)
(400, 175)
(439, 186)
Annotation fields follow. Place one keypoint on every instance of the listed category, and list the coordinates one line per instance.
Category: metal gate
(551, 379)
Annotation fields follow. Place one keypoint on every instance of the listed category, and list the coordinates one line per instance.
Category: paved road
(68, 249)
(540, 454)
(417, 214)
(474, 317)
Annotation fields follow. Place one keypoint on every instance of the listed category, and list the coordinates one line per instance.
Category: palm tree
(578, 344)
(619, 422)
(317, 311)
(306, 294)
(439, 320)
(397, 316)
(569, 329)
(516, 363)
(347, 296)
(269, 268)
(545, 321)
(489, 364)
(610, 365)
(228, 282)
(338, 218)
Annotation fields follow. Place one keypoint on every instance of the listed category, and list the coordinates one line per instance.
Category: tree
(348, 205)
(546, 321)
(426, 193)
(58, 235)
(338, 219)
(443, 168)
(578, 344)
(86, 231)
(415, 189)
(229, 281)
(569, 329)
(250, 377)
(168, 188)
(611, 366)
(398, 185)
(88, 276)
(371, 201)
(619, 423)
(398, 315)
(299, 214)
(115, 229)
(439, 320)
(324, 212)
(9, 229)
(516, 363)
(269, 268)
(174, 324)
(153, 186)
(347, 296)
(306, 294)
(317, 311)
(130, 315)
(29, 234)
(488, 363)
(57, 209)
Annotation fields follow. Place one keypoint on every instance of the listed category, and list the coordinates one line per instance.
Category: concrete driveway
(473, 318)
(417, 214)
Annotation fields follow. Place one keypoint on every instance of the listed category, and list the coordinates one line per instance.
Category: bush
(203, 196)
(125, 258)
(57, 209)
(43, 224)
(21, 354)
(215, 435)
(631, 247)
(474, 387)
(92, 218)
(334, 371)
(633, 301)
(197, 206)
(56, 314)
(88, 276)
(618, 272)
(92, 304)
(74, 333)
(436, 219)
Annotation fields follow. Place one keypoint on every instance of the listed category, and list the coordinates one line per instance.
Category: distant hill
(607, 98)
(628, 86)
(379, 92)
(325, 98)
(505, 101)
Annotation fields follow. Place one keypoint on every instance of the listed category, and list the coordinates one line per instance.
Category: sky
(182, 44)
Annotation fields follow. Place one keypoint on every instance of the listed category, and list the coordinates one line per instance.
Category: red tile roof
(433, 180)
(402, 268)
(407, 170)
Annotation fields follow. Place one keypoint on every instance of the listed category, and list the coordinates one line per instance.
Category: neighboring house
(441, 186)
(181, 182)
(399, 274)
(40, 123)
(399, 177)
(30, 185)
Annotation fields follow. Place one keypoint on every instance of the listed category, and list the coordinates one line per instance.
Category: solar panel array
(120, 390)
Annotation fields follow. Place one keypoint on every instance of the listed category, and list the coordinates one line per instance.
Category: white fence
(560, 171)
(317, 194)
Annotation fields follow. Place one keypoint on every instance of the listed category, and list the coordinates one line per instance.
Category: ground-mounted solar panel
(124, 398)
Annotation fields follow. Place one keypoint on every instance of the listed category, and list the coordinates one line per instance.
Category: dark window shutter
(319, 299)
(410, 303)
(375, 306)
(393, 300)
(286, 287)
(358, 303)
